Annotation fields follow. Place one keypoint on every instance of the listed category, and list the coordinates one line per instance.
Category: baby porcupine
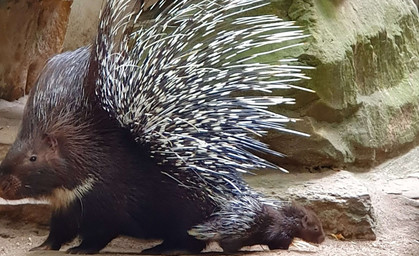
(260, 221)
(138, 134)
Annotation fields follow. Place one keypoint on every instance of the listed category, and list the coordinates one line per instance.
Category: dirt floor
(394, 188)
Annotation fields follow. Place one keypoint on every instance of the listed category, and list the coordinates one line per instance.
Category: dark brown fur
(278, 227)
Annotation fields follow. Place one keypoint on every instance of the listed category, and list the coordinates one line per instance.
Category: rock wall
(31, 32)
(34, 31)
(82, 24)
(365, 109)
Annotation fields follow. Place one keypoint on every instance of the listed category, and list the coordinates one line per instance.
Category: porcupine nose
(321, 239)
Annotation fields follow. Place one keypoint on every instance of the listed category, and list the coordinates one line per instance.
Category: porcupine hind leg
(180, 245)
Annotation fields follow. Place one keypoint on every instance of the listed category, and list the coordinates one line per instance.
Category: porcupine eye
(32, 158)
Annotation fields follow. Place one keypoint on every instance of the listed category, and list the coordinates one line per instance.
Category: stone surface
(365, 109)
(82, 23)
(38, 214)
(408, 187)
(31, 32)
(403, 179)
(10, 118)
(342, 202)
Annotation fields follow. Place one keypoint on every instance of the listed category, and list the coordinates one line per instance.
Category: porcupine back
(170, 84)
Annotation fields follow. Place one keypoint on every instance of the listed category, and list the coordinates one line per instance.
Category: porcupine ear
(51, 141)
(304, 221)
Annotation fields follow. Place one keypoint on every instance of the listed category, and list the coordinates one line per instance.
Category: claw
(44, 247)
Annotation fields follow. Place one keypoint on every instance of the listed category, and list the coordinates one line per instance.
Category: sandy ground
(394, 188)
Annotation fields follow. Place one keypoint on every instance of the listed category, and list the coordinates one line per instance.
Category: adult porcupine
(138, 135)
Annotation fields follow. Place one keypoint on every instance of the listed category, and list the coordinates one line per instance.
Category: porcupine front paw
(48, 245)
(43, 247)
